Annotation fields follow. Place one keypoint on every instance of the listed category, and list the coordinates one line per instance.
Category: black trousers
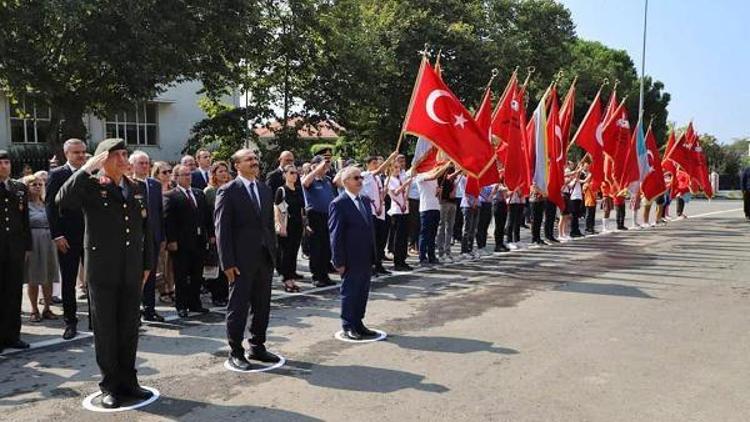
(288, 250)
(320, 245)
(515, 219)
(458, 224)
(537, 214)
(414, 223)
(500, 212)
(620, 215)
(746, 200)
(400, 225)
(485, 218)
(550, 212)
(590, 218)
(69, 264)
(575, 214)
(250, 294)
(391, 233)
(11, 288)
(149, 289)
(187, 266)
(680, 206)
(380, 231)
(115, 317)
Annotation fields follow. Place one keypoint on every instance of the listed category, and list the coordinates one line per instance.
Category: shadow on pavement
(448, 345)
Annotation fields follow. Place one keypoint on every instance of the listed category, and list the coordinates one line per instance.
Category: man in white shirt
(429, 214)
(374, 191)
(398, 187)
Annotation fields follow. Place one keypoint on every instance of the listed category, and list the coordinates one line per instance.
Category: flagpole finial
(516, 69)
(605, 81)
(495, 72)
(617, 82)
(426, 51)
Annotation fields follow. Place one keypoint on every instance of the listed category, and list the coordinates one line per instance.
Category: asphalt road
(647, 325)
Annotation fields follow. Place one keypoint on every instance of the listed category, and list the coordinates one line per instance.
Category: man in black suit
(275, 179)
(189, 229)
(246, 243)
(67, 228)
(199, 176)
(141, 164)
(15, 244)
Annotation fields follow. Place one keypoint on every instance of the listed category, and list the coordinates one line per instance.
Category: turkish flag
(653, 185)
(483, 119)
(616, 137)
(666, 164)
(589, 137)
(566, 114)
(682, 154)
(436, 114)
(701, 166)
(555, 155)
(516, 163)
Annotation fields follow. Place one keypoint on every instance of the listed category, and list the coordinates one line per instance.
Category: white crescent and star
(599, 134)
(558, 137)
(459, 119)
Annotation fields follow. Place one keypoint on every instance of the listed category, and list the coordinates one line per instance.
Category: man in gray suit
(246, 242)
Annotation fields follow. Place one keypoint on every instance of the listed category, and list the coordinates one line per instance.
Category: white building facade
(160, 127)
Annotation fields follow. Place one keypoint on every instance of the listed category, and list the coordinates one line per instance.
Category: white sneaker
(448, 258)
(511, 246)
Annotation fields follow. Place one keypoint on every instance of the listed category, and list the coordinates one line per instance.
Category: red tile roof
(323, 130)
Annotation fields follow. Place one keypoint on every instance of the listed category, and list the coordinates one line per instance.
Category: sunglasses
(292, 172)
(357, 178)
(36, 184)
(166, 172)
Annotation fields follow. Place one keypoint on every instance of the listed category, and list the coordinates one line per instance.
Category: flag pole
(422, 65)
(643, 61)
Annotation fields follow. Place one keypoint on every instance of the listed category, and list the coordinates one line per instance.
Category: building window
(137, 126)
(29, 122)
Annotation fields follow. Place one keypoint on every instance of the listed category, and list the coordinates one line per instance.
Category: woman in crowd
(218, 175)
(162, 172)
(289, 215)
(41, 267)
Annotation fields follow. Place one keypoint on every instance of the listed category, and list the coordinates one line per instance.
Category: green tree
(95, 56)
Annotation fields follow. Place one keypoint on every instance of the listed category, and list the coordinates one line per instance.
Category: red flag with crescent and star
(555, 154)
(483, 119)
(436, 114)
(589, 137)
(653, 185)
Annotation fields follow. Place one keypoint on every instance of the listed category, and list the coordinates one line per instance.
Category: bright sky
(698, 48)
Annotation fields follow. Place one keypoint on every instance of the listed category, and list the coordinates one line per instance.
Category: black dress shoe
(263, 355)
(382, 270)
(182, 313)
(576, 235)
(136, 392)
(352, 335)
(366, 332)
(553, 240)
(70, 332)
(239, 363)
(200, 310)
(324, 283)
(110, 401)
(402, 267)
(18, 344)
(153, 317)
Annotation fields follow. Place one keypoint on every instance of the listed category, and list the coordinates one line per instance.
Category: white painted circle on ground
(381, 336)
(88, 402)
(278, 364)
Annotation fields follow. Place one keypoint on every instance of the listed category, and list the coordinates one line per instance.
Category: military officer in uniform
(117, 245)
(15, 243)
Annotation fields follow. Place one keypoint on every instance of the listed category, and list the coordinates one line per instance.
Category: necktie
(361, 208)
(254, 197)
(191, 198)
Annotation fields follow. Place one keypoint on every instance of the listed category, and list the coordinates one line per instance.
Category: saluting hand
(96, 162)
(231, 274)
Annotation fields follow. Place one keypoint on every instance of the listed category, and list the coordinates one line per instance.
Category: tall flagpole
(643, 61)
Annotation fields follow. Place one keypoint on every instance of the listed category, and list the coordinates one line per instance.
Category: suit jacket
(67, 222)
(155, 210)
(197, 181)
(275, 179)
(117, 242)
(188, 225)
(745, 179)
(243, 232)
(352, 241)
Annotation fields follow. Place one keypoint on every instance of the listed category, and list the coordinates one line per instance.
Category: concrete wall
(177, 109)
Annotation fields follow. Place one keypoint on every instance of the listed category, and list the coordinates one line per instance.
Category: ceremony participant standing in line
(247, 247)
(373, 190)
(745, 187)
(67, 228)
(578, 180)
(429, 214)
(537, 215)
(516, 206)
(189, 229)
(414, 217)
(619, 202)
(318, 190)
(448, 205)
(398, 188)
(140, 165)
(15, 245)
(484, 218)
(289, 215)
(199, 177)
(589, 202)
(500, 213)
(118, 257)
(458, 224)
(352, 246)
(470, 210)
(41, 266)
(162, 172)
(277, 178)
(218, 176)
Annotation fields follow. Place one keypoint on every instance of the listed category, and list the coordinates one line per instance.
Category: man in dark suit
(67, 228)
(189, 229)
(745, 188)
(15, 243)
(246, 243)
(141, 164)
(352, 247)
(199, 176)
(117, 263)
